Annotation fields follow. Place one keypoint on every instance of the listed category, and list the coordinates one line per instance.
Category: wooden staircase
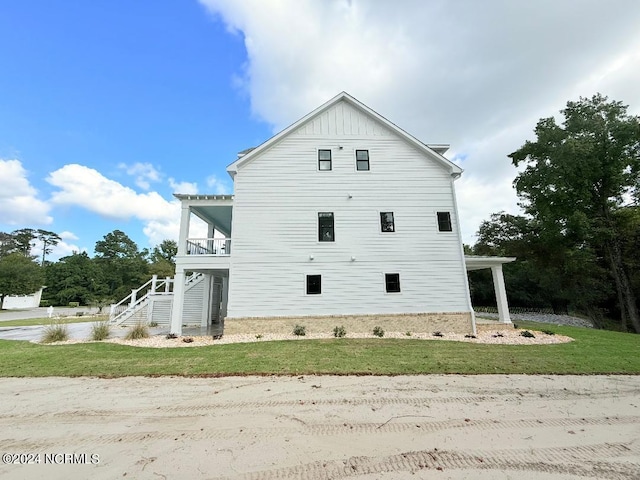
(153, 301)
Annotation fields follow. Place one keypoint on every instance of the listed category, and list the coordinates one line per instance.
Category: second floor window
(324, 160)
(362, 160)
(325, 227)
(386, 222)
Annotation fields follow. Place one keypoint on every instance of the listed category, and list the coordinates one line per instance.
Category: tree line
(117, 267)
(577, 242)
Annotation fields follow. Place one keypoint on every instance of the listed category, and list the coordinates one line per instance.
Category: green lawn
(29, 322)
(592, 352)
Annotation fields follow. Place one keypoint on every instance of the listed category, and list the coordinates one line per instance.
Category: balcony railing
(220, 247)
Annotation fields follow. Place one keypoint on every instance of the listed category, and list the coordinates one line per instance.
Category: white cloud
(19, 204)
(144, 174)
(217, 186)
(62, 249)
(159, 230)
(474, 74)
(68, 235)
(183, 187)
(87, 188)
(65, 247)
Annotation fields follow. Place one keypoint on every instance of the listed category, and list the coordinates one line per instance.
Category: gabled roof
(433, 151)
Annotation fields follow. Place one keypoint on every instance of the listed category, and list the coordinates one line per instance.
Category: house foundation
(457, 322)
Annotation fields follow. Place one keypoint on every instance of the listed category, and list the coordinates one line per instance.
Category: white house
(342, 214)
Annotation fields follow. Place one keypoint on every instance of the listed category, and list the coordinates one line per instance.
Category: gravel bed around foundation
(543, 318)
(503, 337)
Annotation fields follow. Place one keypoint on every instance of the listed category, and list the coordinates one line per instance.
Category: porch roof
(216, 210)
(479, 262)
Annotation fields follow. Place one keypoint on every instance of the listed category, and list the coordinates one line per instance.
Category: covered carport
(477, 262)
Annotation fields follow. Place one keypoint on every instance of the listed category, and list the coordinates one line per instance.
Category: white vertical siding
(342, 119)
(160, 308)
(275, 225)
(195, 303)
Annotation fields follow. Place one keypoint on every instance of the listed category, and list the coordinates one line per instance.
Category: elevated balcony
(212, 249)
(205, 254)
(219, 247)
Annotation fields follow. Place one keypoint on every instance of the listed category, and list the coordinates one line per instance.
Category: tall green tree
(7, 244)
(163, 259)
(74, 278)
(547, 273)
(24, 240)
(19, 275)
(578, 176)
(47, 239)
(123, 266)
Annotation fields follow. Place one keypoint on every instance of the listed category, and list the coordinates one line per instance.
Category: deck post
(185, 217)
(501, 294)
(178, 301)
(134, 291)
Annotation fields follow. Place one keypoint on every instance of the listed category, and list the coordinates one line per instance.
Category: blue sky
(108, 107)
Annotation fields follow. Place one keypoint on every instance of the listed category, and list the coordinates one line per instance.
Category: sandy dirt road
(432, 426)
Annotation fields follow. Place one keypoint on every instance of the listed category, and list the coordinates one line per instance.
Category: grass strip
(592, 352)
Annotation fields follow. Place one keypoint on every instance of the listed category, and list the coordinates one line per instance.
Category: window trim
(386, 284)
(319, 160)
(333, 228)
(306, 284)
(393, 222)
(450, 223)
(368, 160)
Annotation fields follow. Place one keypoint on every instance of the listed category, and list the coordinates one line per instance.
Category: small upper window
(392, 282)
(324, 160)
(325, 227)
(386, 222)
(444, 222)
(314, 284)
(362, 160)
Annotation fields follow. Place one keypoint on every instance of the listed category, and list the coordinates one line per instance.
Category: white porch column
(225, 297)
(501, 294)
(178, 301)
(185, 218)
(206, 304)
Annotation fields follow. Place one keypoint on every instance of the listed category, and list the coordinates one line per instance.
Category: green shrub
(153, 324)
(100, 331)
(259, 336)
(527, 334)
(408, 334)
(56, 331)
(299, 330)
(378, 332)
(171, 336)
(74, 304)
(339, 332)
(437, 334)
(45, 303)
(138, 331)
(548, 332)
